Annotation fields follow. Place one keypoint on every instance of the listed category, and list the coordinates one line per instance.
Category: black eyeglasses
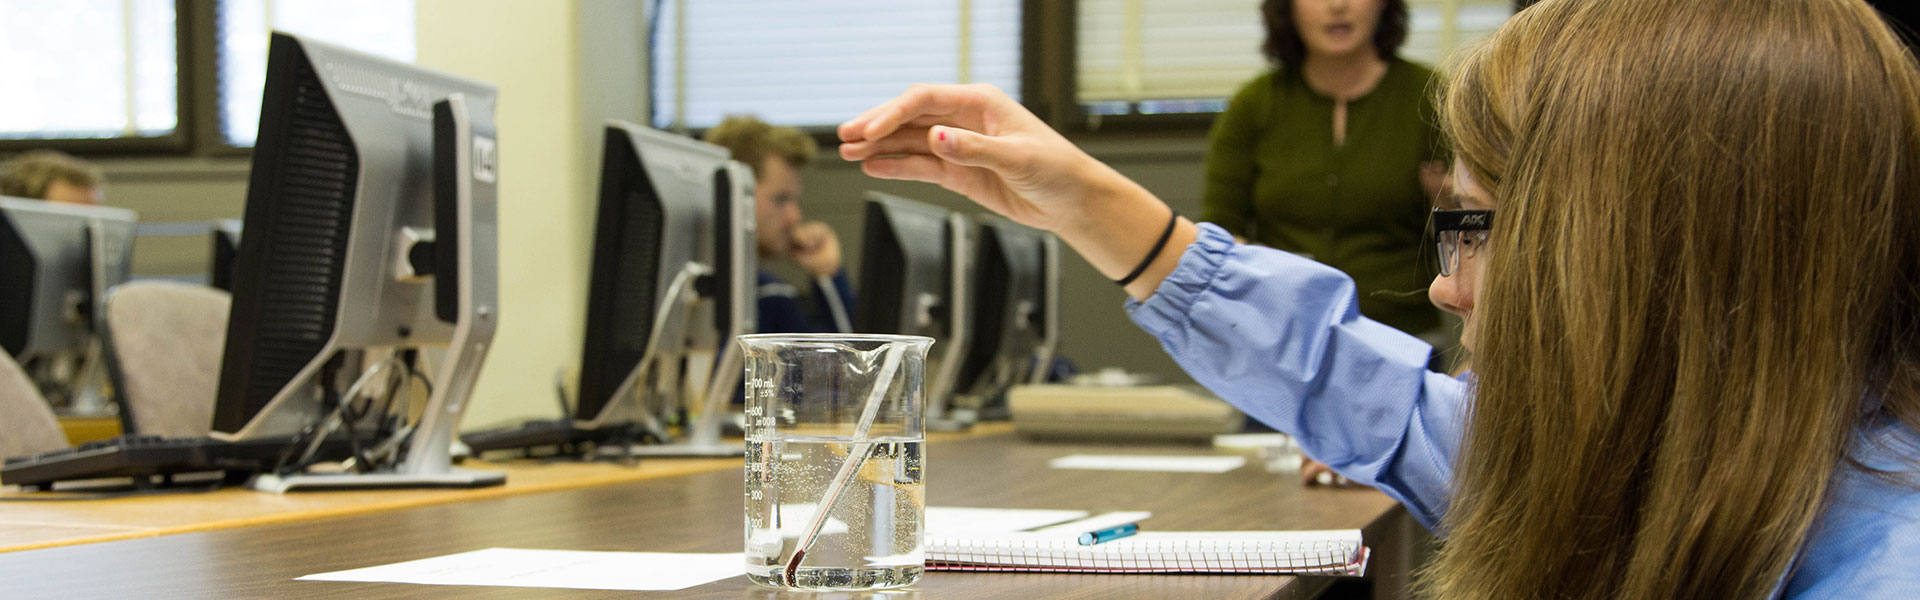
(1459, 233)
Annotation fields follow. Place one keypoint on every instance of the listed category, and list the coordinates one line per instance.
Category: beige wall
(528, 50)
(562, 67)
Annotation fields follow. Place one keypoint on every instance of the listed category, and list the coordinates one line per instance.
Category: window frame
(208, 140)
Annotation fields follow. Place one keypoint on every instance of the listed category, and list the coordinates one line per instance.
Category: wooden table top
(701, 511)
(30, 520)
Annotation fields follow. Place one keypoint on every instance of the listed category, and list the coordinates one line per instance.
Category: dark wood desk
(701, 512)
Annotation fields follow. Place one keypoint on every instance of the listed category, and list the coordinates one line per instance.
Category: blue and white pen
(1109, 534)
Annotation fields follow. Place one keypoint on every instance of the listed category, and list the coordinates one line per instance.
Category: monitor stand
(946, 410)
(73, 382)
(701, 436)
(954, 412)
(428, 459)
(702, 432)
(86, 391)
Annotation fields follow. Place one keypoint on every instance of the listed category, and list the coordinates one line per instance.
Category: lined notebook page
(948, 521)
(1304, 552)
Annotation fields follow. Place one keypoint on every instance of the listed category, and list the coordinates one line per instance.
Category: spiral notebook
(1332, 552)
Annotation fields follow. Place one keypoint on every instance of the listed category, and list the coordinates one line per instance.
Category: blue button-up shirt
(1280, 337)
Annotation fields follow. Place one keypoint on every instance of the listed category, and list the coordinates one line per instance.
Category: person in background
(1333, 154)
(52, 176)
(776, 155)
(1693, 314)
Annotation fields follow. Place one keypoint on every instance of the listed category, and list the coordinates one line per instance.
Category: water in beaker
(835, 421)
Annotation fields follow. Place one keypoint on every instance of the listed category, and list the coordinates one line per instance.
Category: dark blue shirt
(781, 310)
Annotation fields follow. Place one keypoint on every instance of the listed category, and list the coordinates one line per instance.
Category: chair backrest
(164, 341)
(27, 424)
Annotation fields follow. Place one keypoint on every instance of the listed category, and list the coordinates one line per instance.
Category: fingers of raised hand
(960, 105)
(881, 121)
(909, 140)
(980, 185)
(912, 167)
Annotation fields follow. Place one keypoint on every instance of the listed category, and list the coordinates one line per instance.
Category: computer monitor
(225, 236)
(1016, 317)
(57, 262)
(673, 275)
(370, 234)
(915, 266)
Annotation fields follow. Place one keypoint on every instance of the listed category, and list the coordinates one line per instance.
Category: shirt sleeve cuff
(1166, 310)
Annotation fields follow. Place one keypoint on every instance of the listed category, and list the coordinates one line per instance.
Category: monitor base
(453, 478)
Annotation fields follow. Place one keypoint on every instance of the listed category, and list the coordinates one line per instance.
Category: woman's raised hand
(976, 141)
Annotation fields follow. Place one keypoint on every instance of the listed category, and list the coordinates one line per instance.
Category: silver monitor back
(56, 263)
(673, 265)
(731, 300)
(736, 298)
(360, 159)
(916, 272)
(652, 244)
(1016, 311)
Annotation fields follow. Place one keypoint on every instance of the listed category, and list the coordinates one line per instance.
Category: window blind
(1156, 56)
(820, 62)
(1436, 28)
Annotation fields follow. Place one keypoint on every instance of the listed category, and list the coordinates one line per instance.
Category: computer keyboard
(144, 457)
(560, 436)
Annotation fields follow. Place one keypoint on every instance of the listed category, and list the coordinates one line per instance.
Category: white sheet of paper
(954, 520)
(573, 569)
(1178, 464)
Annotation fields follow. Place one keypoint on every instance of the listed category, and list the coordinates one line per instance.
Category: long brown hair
(1702, 279)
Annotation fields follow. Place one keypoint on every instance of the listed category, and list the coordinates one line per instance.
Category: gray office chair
(164, 341)
(27, 424)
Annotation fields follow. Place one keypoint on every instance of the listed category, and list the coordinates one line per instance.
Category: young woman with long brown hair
(1694, 323)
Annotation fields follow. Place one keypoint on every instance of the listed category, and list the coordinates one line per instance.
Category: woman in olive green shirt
(1334, 154)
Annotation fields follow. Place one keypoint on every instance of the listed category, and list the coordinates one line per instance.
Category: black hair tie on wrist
(1155, 253)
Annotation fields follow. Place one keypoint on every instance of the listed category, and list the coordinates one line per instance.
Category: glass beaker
(835, 435)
